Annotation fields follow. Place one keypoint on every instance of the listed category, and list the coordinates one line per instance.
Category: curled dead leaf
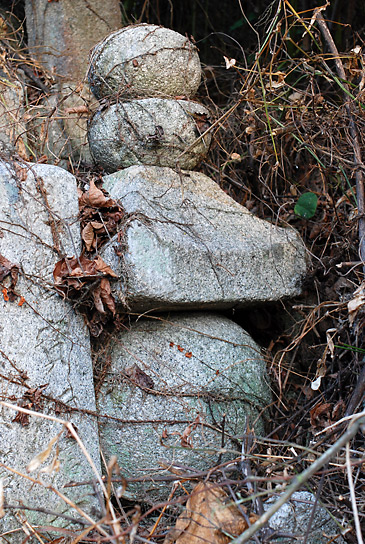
(210, 516)
(88, 236)
(95, 197)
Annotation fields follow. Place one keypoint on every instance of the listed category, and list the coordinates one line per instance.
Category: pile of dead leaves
(86, 280)
(100, 217)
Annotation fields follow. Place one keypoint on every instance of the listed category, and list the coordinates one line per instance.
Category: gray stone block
(144, 60)
(186, 244)
(44, 350)
(151, 131)
(173, 381)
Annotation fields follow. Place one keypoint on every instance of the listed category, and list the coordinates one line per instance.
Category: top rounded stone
(144, 60)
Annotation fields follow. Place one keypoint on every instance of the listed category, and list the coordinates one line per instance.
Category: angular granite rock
(186, 244)
(45, 357)
(151, 131)
(179, 382)
(144, 60)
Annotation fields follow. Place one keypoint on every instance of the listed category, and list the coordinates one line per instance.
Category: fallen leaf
(9, 268)
(106, 295)
(320, 415)
(22, 419)
(138, 377)
(186, 441)
(41, 457)
(188, 354)
(5, 294)
(88, 236)
(356, 303)
(229, 62)
(95, 197)
(210, 517)
(102, 267)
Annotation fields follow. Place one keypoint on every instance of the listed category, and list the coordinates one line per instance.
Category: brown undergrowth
(289, 121)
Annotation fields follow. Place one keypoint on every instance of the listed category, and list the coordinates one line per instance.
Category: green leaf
(306, 205)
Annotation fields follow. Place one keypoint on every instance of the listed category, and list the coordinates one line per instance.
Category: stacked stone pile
(182, 386)
(185, 379)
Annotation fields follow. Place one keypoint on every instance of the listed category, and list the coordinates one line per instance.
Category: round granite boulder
(151, 131)
(181, 389)
(144, 60)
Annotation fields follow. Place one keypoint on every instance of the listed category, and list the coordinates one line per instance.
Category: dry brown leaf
(102, 267)
(88, 235)
(209, 512)
(106, 295)
(6, 268)
(97, 300)
(139, 377)
(320, 415)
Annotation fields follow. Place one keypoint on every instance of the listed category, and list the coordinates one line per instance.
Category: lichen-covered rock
(12, 128)
(150, 131)
(45, 356)
(144, 60)
(182, 384)
(188, 245)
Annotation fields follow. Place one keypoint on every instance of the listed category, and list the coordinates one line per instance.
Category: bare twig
(303, 478)
(359, 166)
(353, 497)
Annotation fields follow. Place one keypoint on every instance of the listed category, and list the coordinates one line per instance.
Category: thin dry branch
(359, 165)
(302, 478)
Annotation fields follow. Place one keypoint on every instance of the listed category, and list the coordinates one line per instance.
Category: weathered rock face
(151, 131)
(12, 128)
(61, 34)
(59, 125)
(44, 346)
(145, 60)
(172, 380)
(294, 516)
(189, 245)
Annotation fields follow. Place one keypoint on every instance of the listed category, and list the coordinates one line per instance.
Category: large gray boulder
(45, 356)
(144, 60)
(151, 131)
(182, 384)
(186, 244)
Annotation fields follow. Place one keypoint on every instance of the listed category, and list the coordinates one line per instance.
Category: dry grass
(285, 126)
